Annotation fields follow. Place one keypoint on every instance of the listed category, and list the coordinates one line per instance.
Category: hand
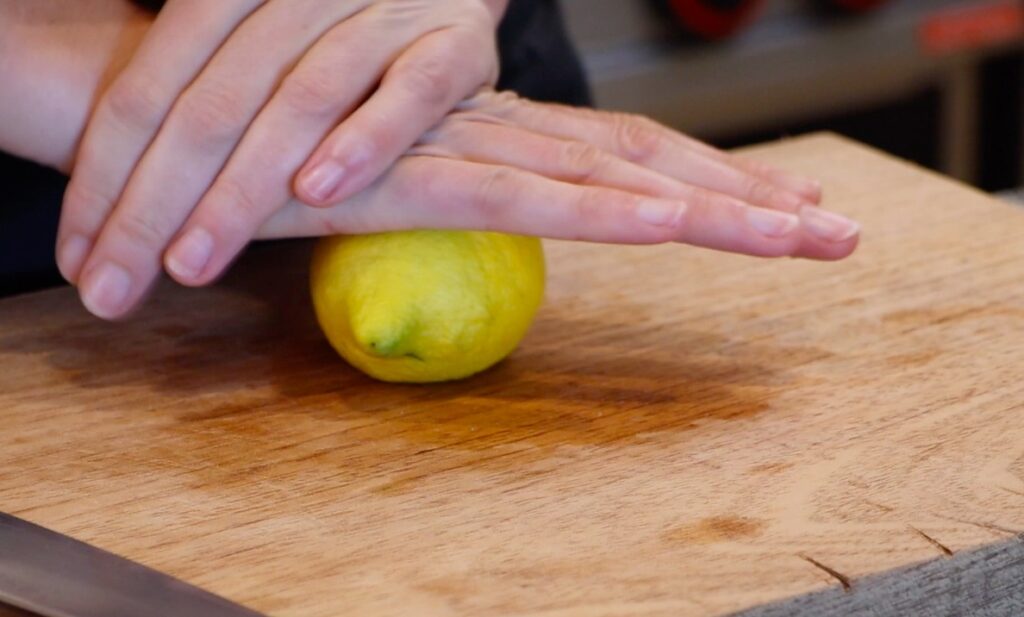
(576, 177)
(224, 102)
(507, 164)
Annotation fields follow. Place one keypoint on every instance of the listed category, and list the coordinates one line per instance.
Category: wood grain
(682, 433)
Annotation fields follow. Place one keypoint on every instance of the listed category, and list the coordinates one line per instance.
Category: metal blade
(56, 576)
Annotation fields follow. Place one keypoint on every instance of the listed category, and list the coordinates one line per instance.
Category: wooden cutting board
(682, 433)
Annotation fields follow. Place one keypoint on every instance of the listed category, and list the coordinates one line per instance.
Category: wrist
(54, 63)
(497, 9)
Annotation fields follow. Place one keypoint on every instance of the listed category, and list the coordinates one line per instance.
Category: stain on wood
(717, 529)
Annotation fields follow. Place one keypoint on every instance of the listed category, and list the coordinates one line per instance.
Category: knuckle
(753, 166)
(411, 180)
(429, 80)
(581, 162)
(759, 192)
(497, 190)
(141, 230)
(136, 101)
(598, 214)
(310, 91)
(478, 52)
(372, 142)
(82, 199)
(704, 200)
(596, 205)
(448, 139)
(449, 129)
(476, 14)
(591, 205)
(638, 138)
(336, 223)
(329, 226)
(237, 205)
(211, 115)
(397, 12)
(501, 104)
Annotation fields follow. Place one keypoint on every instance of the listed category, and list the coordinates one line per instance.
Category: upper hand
(226, 104)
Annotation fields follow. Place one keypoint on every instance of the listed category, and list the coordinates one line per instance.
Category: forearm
(56, 56)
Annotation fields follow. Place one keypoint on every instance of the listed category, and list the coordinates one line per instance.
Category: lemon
(425, 306)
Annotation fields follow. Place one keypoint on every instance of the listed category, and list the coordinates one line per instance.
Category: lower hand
(507, 164)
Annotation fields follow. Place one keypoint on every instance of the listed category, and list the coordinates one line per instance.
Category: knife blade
(6, 610)
(53, 575)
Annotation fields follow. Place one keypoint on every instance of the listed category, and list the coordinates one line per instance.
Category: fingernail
(661, 213)
(772, 223)
(105, 290)
(324, 180)
(828, 226)
(71, 254)
(188, 257)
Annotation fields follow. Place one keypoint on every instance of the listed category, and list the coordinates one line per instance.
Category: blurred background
(940, 82)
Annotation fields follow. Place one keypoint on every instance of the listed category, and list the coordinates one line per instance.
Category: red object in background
(972, 27)
(856, 6)
(714, 19)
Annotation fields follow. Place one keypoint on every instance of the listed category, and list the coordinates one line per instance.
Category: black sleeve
(152, 5)
(29, 211)
(537, 58)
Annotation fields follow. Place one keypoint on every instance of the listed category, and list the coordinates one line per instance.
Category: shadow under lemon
(245, 361)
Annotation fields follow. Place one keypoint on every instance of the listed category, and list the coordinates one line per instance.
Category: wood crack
(873, 504)
(1011, 491)
(983, 525)
(842, 578)
(945, 550)
(993, 527)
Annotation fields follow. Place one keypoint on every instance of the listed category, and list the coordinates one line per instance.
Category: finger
(649, 144)
(327, 84)
(826, 236)
(567, 160)
(430, 192)
(421, 87)
(582, 163)
(808, 188)
(423, 191)
(329, 81)
(129, 114)
(193, 143)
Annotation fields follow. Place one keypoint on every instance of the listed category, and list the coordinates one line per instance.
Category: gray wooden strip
(987, 582)
(1016, 197)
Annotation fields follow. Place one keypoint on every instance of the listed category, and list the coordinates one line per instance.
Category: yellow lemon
(424, 306)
